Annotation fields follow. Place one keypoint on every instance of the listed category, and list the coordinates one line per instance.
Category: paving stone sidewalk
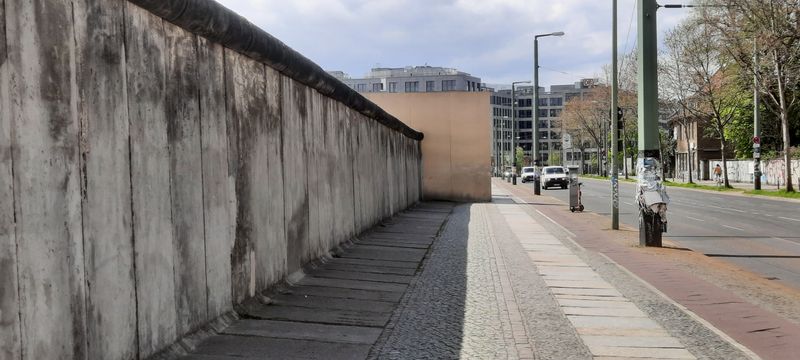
(465, 281)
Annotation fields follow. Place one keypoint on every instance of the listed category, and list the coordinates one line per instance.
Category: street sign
(756, 140)
(567, 141)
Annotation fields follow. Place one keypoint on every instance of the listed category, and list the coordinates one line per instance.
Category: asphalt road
(758, 234)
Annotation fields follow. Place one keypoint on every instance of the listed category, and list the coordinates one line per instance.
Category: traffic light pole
(650, 191)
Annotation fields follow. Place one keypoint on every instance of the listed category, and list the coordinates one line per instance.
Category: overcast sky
(490, 39)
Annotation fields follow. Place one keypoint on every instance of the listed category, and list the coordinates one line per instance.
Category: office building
(551, 105)
(411, 79)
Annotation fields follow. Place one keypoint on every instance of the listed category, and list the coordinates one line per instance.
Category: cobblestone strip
(462, 304)
(610, 325)
(520, 340)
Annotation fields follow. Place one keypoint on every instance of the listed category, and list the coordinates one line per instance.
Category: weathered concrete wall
(773, 171)
(151, 178)
(456, 151)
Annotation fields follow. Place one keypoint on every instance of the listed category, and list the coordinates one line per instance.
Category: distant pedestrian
(718, 174)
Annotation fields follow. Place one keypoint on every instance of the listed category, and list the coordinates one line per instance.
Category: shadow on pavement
(430, 321)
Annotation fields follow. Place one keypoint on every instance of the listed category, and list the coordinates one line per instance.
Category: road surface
(761, 235)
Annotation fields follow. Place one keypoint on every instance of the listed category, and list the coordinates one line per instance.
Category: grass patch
(776, 193)
(598, 177)
(699, 186)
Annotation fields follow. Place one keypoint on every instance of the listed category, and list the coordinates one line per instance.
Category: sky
(490, 39)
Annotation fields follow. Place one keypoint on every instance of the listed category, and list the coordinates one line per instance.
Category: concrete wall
(456, 153)
(151, 178)
(773, 171)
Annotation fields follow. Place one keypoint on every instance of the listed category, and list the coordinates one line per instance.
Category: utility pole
(650, 188)
(756, 122)
(614, 121)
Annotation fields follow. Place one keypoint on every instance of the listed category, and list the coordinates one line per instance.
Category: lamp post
(503, 137)
(536, 159)
(614, 122)
(514, 130)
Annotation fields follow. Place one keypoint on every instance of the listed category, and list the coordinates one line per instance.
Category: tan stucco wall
(455, 150)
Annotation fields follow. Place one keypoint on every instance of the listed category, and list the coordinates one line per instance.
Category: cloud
(491, 39)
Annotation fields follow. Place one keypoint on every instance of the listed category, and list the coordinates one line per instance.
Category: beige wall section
(455, 150)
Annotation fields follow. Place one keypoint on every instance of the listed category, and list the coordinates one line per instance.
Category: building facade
(412, 79)
(551, 105)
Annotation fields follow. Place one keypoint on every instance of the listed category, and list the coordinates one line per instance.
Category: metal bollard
(537, 186)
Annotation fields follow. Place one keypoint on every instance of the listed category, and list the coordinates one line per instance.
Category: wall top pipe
(219, 24)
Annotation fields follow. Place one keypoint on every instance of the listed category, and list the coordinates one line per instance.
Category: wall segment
(161, 161)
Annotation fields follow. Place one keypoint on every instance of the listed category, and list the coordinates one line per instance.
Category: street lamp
(502, 154)
(536, 160)
(514, 130)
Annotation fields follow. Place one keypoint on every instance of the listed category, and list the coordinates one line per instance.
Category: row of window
(414, 86)
(523, 124)
(498, 100)
(527, 135)
(526, 114)
(556, 101)
(527, 149)
(501, 112)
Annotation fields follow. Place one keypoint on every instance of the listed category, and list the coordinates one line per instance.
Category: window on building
(542, 101)
(525, 124)
(528, 102)
(429, 86)
(543, 134)
(377, 87)
(361, 87)
(570, 96)
(543, 124)
(412, 86)
(392, 87)
(556, 101)
(542, 113)
(448, 85)
(555, 112)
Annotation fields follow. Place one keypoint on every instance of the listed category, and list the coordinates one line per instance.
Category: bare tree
(628, 101)
(773, 28)
(713, 79)
(674, 84)
(585, 117)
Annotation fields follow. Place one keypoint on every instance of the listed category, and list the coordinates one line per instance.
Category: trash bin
(574, 192)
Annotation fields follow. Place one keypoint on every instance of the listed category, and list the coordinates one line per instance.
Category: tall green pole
(649, 161)
(614, 125)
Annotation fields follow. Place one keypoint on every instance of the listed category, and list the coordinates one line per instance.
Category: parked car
(554, 176)
(529, 173)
